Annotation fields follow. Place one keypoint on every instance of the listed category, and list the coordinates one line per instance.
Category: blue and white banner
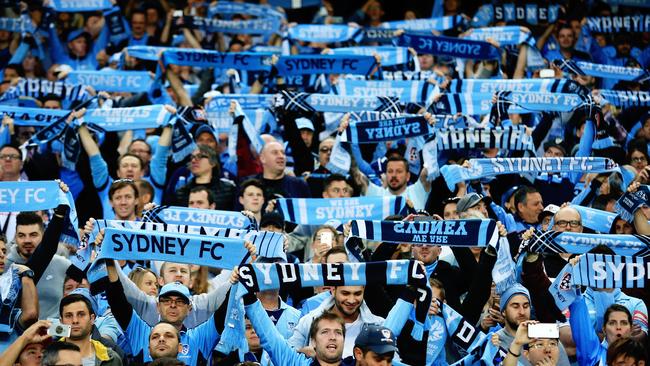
(481, 168)
(368, 132)
(259, 26)
(513, 138)
(595, 219)
(246, 101)
(295, 4)
(449, 46)
(122, 243)
(194, 216)
(325, 64)
(611, 271)
(331, 33)
(489, 86)
(625, 98)
(133, 118)
(426, 24)
(112, 81)
(522, 103)
(149, 53)
(416, 91)
(77, 6)
(230, 8)
(510, 35)
(580, 243)
(318, 211)
(335, 103)
(38, 88)
(635, 3)
(221, 60)
(19, 25)
(637, 23)
(532, 14)
(390, 55)
(38, 117)
(464, 233)
(603, 71)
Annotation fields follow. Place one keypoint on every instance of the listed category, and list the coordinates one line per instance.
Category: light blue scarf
(637, 23)
(78, 6)
(610, 271)
(625, 98)
(489, 86)
(332, 33)
(113, 81)
(318, 211)
(221, 60)
(426, 25)
(390, 55)
(195, 216)
(416, 91)
(335, 103)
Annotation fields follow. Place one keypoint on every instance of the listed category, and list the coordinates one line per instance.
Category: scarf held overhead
(325, 64)
(611, 271)
(368, 132)
(195, 216)
(317, 211)
(579, 243)
(406, 91)
(112, 81)
(465, 233)
(335, 103)
(449, 46)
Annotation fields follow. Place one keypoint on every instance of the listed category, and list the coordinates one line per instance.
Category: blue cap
(204, 128)
(506, 196)
(516, 289)
(86, 293)
(304, 123)
(376, 338)
(175, 288)
(78, 33)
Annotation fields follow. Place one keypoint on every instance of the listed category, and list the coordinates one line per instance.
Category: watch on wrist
(28, 273)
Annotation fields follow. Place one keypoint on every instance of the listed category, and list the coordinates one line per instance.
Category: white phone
(543, 330)
(178, 13)
(546, 73)
(326, 238)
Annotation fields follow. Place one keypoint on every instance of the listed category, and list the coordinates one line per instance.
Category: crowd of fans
(167, 313)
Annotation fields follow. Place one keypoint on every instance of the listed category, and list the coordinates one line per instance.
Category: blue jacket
(590, 351)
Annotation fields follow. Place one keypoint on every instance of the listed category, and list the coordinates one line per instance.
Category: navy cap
(468, 201)
(272, 218)
(376, 338)
(78, 33)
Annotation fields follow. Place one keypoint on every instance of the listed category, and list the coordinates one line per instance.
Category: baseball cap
(204, 128)
(376, 338)
(468, 201)
(304, 123)
(175, 288)
(549, 210)
(557, 143)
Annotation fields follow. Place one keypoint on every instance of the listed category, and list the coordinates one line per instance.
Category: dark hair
(140, 140)
(616, 308)
(51, 96)
(331, 179)
(122, 183)
(15, 147)
(250, 182)
(521, 195)
(71, 299)
(144, 187)
(211, 196)
(16, 67)
(335, 250)
(313, 329)
(601, 249)
(398, 158)
(51, 352)
(178, 334)
(626, 347)
(138, 11)
(434, 282)
(119, 160)
(167, 361)
(29, 218)
(640, 145)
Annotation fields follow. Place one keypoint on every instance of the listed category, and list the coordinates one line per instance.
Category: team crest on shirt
(185, 350)
(436, 331)
(291, 325)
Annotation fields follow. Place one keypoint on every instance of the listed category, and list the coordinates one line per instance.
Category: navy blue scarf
(426, 24)
(221, 60)
(638, 23)
(579, 243)
(325, 64)
(260, 26)
(368, 132)
(464, 233)
(603, 71)
(306, 102)
(318, 211)
(449, 46)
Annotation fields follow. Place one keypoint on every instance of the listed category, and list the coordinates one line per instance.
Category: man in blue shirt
(196, 344)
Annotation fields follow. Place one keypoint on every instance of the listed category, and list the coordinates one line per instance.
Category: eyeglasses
(551, 344)
(325, 150)
(176, 302)
(639, 159)
(565, 223)
(9, 157)
(123, 180)
(198, 156)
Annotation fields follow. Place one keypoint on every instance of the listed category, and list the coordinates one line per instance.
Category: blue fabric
(629, 202)
(196, 216)
(426, 25)
(77, 6)
(295, 4)
(222, 60)
(532, 14)
(334, 103)
(462, 233)
(562, 289)
(325, 64)
(522, 103)
(481, 168)
(595, 219)
(317, 211)
(260, 26)
(626, 98)
(610, 271)
(390, 55)
(637, 23)
(406, 91)
(331, 33)
(122, 243)
(38, 88)
(490, 86)
(230, 8)
(122, 119)
(579, 243)
(11, 287)
(368, 132)
(449, 46)
(32, 116)
(506, 35)
(19, 25)
(112, 81)
(603, 71)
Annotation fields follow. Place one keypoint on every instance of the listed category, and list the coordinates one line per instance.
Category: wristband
(512, 353)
